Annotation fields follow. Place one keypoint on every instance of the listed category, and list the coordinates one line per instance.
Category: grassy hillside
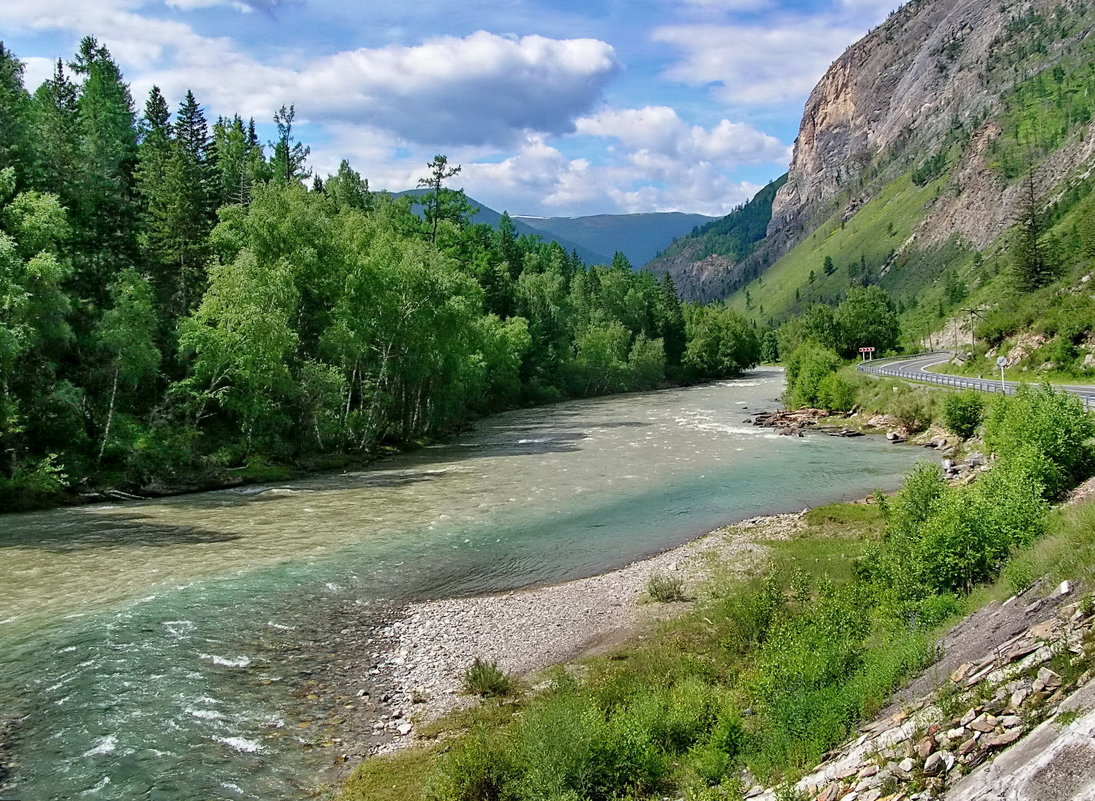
(862, 249)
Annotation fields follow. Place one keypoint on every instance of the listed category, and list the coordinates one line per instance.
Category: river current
(131, 657)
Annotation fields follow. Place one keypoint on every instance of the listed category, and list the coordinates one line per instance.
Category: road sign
(1001, 361)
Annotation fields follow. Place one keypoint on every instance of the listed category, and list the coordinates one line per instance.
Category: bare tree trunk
(110, 411)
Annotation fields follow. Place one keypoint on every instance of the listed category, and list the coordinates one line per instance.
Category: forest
(180, 301)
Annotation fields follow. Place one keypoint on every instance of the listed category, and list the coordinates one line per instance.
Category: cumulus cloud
(657, 131)
(757, 65)
(478, 89)
(246, 6)
(659, 164)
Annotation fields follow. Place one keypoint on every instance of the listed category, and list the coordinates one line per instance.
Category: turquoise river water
(134, 658)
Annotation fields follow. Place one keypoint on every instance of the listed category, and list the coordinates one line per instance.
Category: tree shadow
(133, 530)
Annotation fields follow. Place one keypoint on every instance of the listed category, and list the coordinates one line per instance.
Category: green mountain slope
(915, 158)
(703, 263)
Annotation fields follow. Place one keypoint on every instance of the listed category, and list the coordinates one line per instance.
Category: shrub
(665, 588)
(963, 411)
(480, 768)
(836, 393)
(1054, 424)
(912, 410)
(486, 680)
(807, 367)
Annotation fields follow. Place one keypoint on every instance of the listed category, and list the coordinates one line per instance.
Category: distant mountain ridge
(596, 238)
(640, 237)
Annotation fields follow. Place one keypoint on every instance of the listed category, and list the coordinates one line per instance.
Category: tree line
(179, 298)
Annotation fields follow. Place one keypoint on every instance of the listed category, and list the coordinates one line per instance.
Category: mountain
(918, 152)
(640, 237)
(488, 216)
(703, 263)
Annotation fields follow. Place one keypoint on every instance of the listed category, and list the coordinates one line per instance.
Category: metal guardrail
(957, 381)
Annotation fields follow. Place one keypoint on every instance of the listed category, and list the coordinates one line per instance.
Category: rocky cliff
(966, 96)
(935, 71)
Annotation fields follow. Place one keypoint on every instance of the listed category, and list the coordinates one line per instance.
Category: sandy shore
(427, 649)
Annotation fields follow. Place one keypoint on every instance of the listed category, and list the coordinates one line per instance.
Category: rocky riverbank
(423, 653)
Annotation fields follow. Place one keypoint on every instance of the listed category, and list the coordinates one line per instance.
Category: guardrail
(956, 381)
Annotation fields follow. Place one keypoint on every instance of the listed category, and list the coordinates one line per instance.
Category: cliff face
(935, 67)
(963, 95)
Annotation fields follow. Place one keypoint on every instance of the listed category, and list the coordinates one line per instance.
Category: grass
(877, 229)
(665, 588)
(486, 680)
(402, 776)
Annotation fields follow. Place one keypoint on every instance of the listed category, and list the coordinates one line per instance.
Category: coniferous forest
(181, 301)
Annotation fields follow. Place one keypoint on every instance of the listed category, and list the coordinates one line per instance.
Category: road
(918, 368)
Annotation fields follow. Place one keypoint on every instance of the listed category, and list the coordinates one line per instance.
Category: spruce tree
(14, 114)
(105, 212)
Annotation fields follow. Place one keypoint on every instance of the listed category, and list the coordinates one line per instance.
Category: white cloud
(478, 89)
(755, 65)
(659, 130)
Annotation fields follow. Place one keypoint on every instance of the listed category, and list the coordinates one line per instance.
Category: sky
(551, 108)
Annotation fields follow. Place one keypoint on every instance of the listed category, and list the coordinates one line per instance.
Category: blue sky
(552, 108)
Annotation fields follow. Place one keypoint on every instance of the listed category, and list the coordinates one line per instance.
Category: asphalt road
(918, 368)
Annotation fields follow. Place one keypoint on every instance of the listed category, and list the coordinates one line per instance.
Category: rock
(1000, 740)
(961, 672)
(956, 734)
(867, 771)
(1011, 721)
(906, 765)
(934, 764)
(404, 729)
(925, 747)
(1049, 680)
(968, 717)
(1064, 588)
(984, 723)
(968, 745)
(975, 459)
(948, 464)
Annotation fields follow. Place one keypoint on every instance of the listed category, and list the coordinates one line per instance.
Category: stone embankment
(423, 654)
(1017, 723)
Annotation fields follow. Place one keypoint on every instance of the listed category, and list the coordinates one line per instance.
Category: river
(135, 658)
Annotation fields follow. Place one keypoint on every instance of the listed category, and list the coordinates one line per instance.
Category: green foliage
(807, 369)
(486, 680)
(836, 393)
(963, 411)
(1049, 429)
(721, 343)
(867, 318)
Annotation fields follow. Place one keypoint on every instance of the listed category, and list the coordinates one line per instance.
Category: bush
(963, 411)
(912, 410)
(1054, 424)
(836, 393)
(665, 588)
(480, 768)
(807, 367)
(486, 680)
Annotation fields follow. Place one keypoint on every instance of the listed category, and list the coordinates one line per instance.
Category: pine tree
(1032, 263)
(105, 212)
(14, 112)
(670, 321)
(289, 154)
(54, 130)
